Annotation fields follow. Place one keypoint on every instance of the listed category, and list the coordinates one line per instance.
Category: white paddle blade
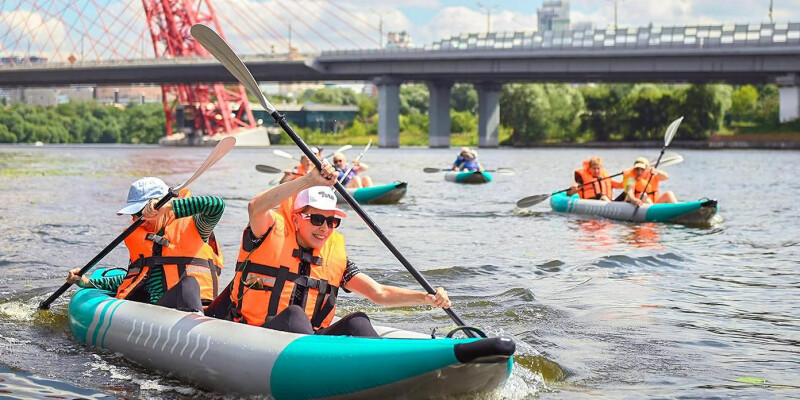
(505, 171)
(671, 159)
(281, 153)
(671, 130)
(220, 150)
(215, 45)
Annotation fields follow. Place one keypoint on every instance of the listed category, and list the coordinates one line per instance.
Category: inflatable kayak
(690, 212)
(231, 357)
(468, 177)
(381, 194)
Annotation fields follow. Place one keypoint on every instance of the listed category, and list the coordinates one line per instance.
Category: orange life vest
(639, 186)
(267, 277)
(181, 251)
(598, 185)
(299, 170)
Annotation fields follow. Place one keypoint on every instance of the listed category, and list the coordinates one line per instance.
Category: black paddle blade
(431, 169)
(267, 169)
(532, 200)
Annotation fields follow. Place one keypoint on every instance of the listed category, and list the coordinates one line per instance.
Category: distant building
(323, 117)
(582, 26)
(553, 16)
(296, 89)
(398, 40)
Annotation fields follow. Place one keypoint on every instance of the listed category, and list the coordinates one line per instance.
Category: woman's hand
(149, 210)
(325, 177)
(73, 276)
(440, 299)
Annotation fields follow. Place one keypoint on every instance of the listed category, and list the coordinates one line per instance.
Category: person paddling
(174, 259)
(292, 263)
(467, 160)
(593, 182)
(300, 169)
(354, 178)
(635, 180)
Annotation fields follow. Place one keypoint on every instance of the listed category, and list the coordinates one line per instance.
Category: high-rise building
(398, 39)
(553, 16)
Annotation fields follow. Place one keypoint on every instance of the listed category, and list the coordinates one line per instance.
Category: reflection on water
(598, 308)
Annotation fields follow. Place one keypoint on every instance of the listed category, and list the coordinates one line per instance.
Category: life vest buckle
(159, 240)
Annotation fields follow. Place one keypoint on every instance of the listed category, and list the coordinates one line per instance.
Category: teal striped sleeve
(110, 283)
(207, 211)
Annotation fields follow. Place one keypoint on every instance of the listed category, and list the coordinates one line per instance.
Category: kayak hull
(472, 177)
(690, 213)
(232, 357)
(381, 194)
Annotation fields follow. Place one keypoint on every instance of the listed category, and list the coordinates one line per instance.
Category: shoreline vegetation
(532, 115)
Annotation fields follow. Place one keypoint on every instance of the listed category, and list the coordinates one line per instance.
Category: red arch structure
(214, 108)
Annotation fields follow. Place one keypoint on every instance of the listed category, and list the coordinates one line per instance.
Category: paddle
(284, 154)
(670, 159)
(222, 148)
(671, 130)
(501, 171)
(215, 45)
(267, 169)
(353, 164)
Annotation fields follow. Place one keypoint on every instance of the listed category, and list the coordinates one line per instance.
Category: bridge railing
(700, 36)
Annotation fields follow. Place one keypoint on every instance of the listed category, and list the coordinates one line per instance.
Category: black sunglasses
(318, 219)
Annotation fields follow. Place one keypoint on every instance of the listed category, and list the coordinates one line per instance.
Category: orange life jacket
(639, 186)
(267, 277)
(299, 170)
(181, 251)
(598, 185)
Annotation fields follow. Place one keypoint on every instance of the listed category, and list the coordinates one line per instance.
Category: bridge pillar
(439, 126)
(789, 92)
(488, 113)
(388, 111)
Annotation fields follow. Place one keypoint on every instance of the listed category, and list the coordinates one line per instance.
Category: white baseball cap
(319, 197)
(141, 192)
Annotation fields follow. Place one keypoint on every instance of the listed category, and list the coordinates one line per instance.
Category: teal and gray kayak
(226, 356)
(468, 177)
(690, 212)
(381, 194)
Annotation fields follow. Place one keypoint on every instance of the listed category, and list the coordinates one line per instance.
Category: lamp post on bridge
(488, 15)
(380, 25)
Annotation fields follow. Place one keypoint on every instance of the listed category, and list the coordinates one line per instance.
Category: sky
(117, 29)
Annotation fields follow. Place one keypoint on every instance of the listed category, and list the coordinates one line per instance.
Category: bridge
(754, 53)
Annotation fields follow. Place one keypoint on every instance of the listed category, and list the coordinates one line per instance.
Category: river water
(598, 308)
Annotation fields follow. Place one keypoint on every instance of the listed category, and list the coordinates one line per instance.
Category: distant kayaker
(292, 263)
(354, 179)
(637, 177)
(467, 160)
(302, 168)
(593, 182)
(174, 260)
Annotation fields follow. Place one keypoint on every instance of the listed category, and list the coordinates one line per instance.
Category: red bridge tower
(214, 108)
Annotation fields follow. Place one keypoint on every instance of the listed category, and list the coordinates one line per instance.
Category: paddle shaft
(46, 304)
(281, 120)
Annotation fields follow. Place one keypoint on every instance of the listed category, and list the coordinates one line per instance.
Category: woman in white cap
(636, 182)
(292, 263)
(174, 259)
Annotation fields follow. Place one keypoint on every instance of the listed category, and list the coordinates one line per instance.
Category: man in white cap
(636, 181)
(292, 263)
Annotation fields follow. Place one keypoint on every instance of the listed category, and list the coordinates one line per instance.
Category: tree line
(529, 114)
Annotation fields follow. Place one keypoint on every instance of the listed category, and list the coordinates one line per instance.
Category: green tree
(463, 122)
(6, 136)
(768, 110)
(414, 99)
(601, 114)
(525, 108)
(464, 97)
